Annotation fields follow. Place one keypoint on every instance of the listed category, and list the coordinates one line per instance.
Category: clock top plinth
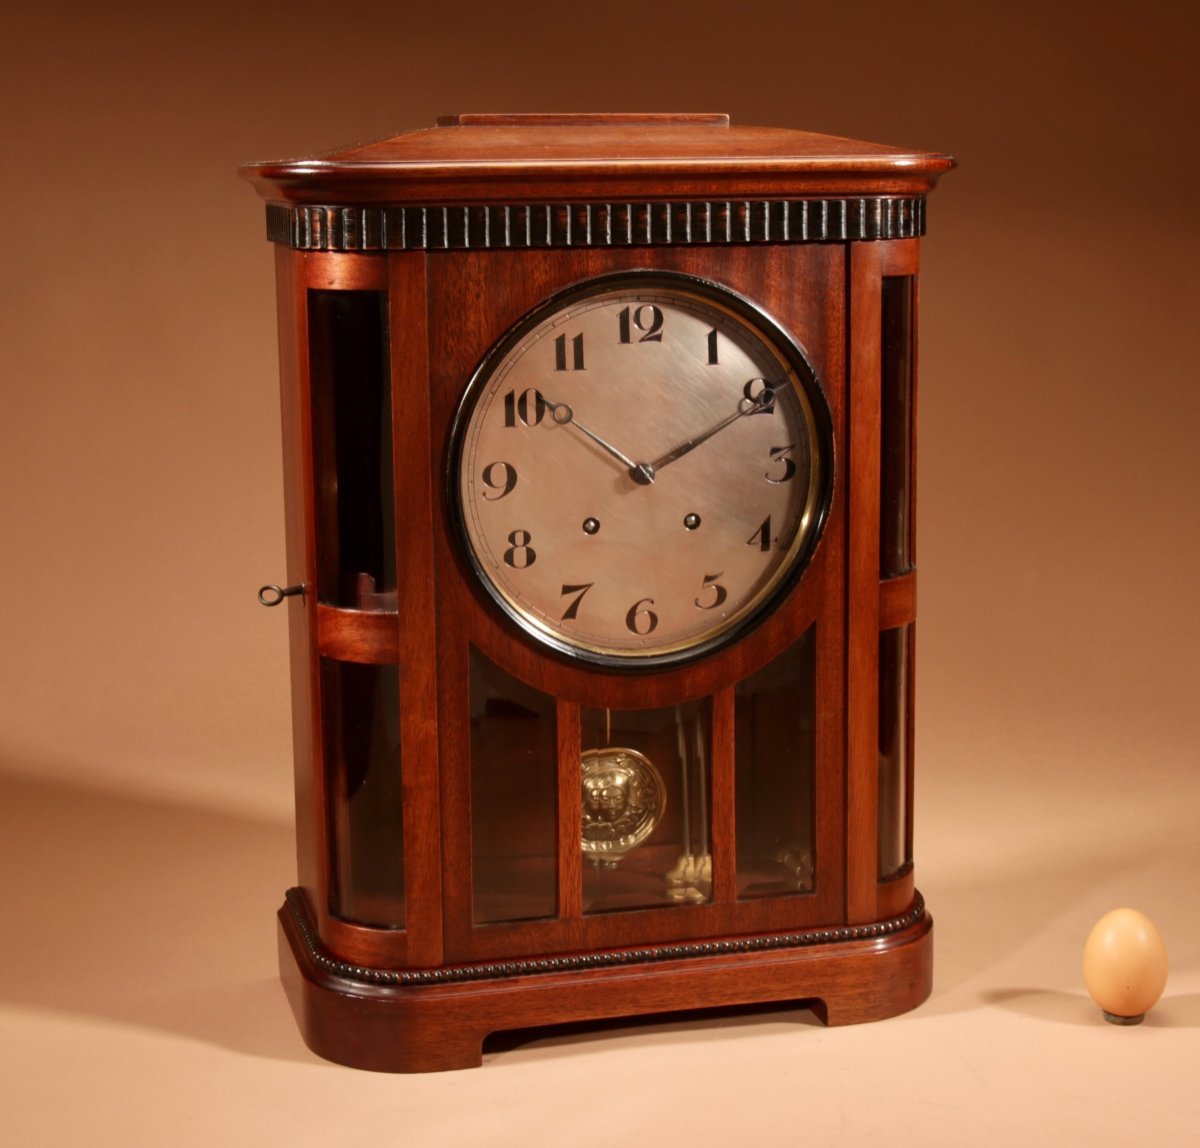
(468, 156)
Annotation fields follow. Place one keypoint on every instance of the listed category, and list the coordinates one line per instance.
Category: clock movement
(599, 460)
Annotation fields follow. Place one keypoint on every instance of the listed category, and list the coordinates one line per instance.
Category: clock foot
(392, 1020)
(369, 1030)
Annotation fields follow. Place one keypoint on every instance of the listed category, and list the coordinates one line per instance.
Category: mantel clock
(599, 473)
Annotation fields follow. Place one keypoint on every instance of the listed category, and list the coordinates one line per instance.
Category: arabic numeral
(720, 594)
(762, 394)
(647, 320)
(576, 356)
(781, 455)
(572, 611)
(520, 554)
(504, 483)
(526, 409)
(762, 536)
(641, 620)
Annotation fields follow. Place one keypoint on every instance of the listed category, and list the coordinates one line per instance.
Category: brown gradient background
(145, 773)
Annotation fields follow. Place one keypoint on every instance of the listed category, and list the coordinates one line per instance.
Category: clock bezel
(771, 332)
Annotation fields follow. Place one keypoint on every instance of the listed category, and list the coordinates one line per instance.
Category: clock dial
(640, 467)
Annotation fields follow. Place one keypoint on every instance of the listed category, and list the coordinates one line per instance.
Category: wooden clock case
(435, 905)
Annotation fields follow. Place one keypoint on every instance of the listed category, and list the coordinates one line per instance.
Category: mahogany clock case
(443, 892)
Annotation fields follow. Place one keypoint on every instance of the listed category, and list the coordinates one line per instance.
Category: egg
(1125, 965)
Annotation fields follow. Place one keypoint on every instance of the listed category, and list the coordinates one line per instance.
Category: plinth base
(402, 1021)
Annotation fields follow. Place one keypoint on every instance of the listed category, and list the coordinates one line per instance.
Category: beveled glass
(646, 799)
(775, 763)
(514, 835)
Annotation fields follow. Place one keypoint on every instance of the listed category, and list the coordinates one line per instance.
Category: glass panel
(352, 444)
(645, 807)
(514, 769)
(896, 397)
(362, 763)
(776, 747)
(893, 750)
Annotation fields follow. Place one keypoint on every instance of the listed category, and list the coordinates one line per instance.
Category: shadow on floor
(146, 912)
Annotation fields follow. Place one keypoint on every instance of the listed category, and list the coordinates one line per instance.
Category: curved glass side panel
(893, 750)
(364, 783)
(896, 428)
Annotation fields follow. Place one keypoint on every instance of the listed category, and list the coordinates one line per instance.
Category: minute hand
(745, 407)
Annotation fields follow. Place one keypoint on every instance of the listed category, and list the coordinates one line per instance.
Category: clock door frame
(804, 288)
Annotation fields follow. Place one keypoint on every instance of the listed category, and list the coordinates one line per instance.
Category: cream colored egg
(1125, 964)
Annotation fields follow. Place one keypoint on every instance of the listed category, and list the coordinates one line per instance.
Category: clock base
(394, 1021)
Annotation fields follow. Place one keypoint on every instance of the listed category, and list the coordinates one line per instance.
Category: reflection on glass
(514, 832)
(893, 750)
(775, 748)
(896, 399)
(362, 762)
(646, 807)
(352, 443)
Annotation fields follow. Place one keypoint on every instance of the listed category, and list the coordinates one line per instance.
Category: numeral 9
(504, 484)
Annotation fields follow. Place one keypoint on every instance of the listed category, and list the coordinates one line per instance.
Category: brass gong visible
(623, 800)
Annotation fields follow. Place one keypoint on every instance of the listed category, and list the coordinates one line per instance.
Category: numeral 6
(640, 620)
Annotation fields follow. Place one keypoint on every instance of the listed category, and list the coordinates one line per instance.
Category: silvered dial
(640, 467)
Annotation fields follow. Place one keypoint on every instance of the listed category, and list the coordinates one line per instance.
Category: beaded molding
(306, 227)
(297, 906)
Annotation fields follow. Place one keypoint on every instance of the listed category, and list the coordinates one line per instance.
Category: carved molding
(297, 908)
(537, 225)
